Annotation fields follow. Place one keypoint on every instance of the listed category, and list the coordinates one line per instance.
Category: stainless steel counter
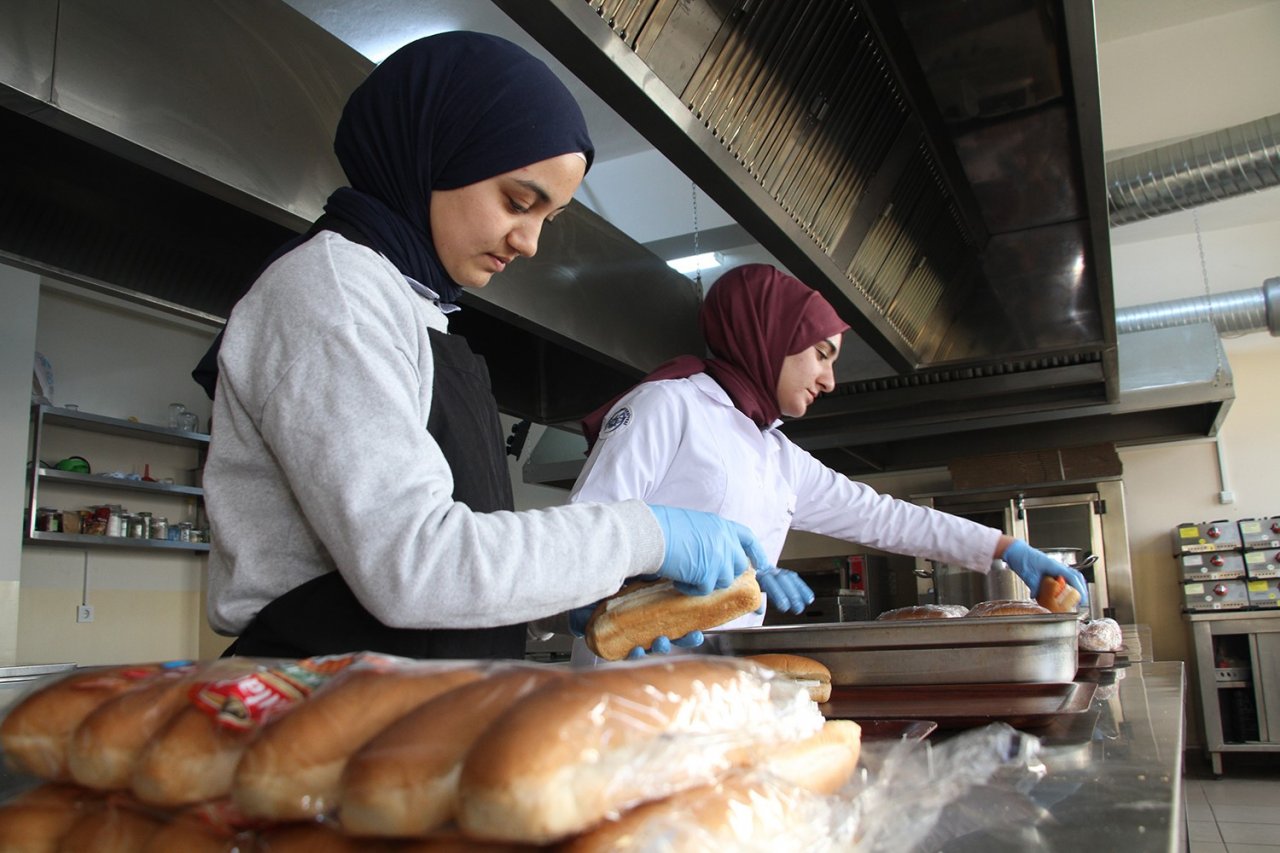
(1114, 774)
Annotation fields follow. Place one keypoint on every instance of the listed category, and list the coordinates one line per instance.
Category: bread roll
(640, 613)
(808, 673)
(194, 757)
(36, 821)
(923, 611)
(105, 747)
(1058, 596)
(191, 760)
(36, 733)
(821, 763)
(1007, 607)
(318, 838)
(110, 828)
(404, 782)
(185, 834)
(292, 770)
(775, 806)
(608, 738)
(742, 812)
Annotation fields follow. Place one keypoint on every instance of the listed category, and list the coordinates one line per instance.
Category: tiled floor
(1236, 812)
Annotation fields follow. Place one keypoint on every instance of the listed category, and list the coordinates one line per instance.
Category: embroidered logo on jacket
(620, 418)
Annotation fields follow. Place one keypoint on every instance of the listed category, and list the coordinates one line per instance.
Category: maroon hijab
(754, 316)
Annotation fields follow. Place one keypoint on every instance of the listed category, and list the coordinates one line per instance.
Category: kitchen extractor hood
(159, 150)
(935, 168)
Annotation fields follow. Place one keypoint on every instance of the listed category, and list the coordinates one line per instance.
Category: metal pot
(1066, 556)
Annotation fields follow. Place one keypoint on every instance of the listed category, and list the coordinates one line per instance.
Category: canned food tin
(48, 520)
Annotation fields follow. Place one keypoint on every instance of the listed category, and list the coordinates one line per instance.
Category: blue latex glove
(662, 645)
(1034, 566)
(579, 617)
(785, 590)
(703, 550)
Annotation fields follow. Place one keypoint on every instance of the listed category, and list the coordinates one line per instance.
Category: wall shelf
(43, 417)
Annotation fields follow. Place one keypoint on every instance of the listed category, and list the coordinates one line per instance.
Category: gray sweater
(320, 460)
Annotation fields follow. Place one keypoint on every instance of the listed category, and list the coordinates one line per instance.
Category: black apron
(323, 616)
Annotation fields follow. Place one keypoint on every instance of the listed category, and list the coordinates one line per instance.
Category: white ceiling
(1169, 70)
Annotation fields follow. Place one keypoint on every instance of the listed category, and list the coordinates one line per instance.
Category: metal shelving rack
(45, 416)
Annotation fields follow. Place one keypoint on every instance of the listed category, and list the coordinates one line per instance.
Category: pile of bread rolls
(369, 752)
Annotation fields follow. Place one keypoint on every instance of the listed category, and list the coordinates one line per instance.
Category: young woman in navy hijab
(703, 433)
(356, 483)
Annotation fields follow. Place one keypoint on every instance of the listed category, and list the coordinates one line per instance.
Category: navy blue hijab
(442, 112)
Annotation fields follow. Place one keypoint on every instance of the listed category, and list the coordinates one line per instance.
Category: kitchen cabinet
(47, 484)
(1237, 660)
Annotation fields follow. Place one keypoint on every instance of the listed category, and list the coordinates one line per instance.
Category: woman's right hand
(704, 551)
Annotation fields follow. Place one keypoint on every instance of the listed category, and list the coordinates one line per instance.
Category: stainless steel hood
(161, 149)
(935, 168)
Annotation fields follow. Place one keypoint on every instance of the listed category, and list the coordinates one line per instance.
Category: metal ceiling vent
(1219, 165)
(1240, 312)
(802, 98)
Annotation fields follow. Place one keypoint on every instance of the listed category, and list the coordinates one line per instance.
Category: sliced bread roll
(778, 805)
(810, 674)
(640, 613)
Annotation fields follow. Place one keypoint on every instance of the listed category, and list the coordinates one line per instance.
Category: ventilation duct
(1195, 172)
(1239, 312)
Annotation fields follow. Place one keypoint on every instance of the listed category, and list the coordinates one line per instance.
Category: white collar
(709, 386)
(427, 293)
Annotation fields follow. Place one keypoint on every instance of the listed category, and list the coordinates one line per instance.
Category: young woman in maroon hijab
(703, 434)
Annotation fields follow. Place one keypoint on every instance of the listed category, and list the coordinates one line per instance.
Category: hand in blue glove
(579, 617)
(662, 645)
(703, 550)
(1034, 566)
(784, 588)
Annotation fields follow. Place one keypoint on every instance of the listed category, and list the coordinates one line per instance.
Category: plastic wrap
(1101, 635)
(924, 611)
(919, 795)
(225, 754)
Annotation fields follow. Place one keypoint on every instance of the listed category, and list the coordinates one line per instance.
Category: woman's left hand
(785, 590)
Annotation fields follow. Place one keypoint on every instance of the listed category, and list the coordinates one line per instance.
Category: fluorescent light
(694, 263)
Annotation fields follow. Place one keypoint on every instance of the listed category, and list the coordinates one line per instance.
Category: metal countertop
(1114, 775)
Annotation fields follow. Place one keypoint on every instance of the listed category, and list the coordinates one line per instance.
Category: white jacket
(682, 442)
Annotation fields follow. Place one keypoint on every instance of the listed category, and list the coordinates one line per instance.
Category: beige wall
(120, 360)
(1171, 484)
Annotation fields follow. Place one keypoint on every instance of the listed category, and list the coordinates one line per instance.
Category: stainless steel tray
(986, 650)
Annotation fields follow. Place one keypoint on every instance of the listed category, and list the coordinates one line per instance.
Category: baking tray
(985, 650)
(1097, 660)
(895, 730)
(962, 706)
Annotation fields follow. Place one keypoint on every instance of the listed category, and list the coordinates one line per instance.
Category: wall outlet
(84, 613)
